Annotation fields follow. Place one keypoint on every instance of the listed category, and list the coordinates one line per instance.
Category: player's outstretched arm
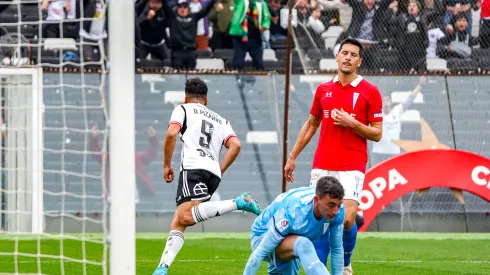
(411, 97)
(267, 245)
(307, 132)
(168, 151)
(336, 247)
(233, 145)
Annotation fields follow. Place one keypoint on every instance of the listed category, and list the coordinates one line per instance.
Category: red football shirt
(340, 148)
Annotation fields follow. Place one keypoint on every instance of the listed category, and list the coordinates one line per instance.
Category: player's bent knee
(186, 218)
(348, 223)
(303, 246)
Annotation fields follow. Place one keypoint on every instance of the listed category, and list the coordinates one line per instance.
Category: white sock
(211, 209)
(174, 243)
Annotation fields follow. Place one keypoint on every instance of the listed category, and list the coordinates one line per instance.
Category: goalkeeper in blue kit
(282, 234)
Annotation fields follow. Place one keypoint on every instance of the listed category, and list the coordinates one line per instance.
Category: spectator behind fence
(458, 42)
(433, 8)
(299, 23)
(434, 33)
(345, 10)
(370, 26)
(152, 23)
(57, 10)
(475, 17)
(454, 7)
(277, 31)
(250, 19)
(220, 18)
(316, 27)
(485, 24)
(412, 38)
(202, 40)
(183, 32)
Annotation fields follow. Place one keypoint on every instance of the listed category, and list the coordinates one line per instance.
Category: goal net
(396, 53)
(55, 132)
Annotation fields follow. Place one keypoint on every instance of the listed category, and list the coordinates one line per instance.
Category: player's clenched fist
(342, 118)
(288, 170)
(168, 174)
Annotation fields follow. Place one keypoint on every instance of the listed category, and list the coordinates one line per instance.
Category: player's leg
(211, 209)
(352, 181)
(294, 247)
(195, 187)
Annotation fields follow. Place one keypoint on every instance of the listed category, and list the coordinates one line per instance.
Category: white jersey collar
(354, 82)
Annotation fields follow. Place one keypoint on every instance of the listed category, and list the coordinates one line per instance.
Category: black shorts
(197, 184)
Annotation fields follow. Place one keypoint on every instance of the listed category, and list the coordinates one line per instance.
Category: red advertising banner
(424, 169)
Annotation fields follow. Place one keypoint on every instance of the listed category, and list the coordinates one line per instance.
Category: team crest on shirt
(282, 225)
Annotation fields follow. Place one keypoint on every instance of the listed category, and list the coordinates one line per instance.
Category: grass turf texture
(227, 253)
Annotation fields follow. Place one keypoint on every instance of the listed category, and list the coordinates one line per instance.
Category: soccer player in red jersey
(349, 109)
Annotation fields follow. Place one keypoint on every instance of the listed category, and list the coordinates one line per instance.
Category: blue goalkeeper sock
(305, 251)
(322, 247)
(349, 242)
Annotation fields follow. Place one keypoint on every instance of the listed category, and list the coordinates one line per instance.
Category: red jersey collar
(354, 82)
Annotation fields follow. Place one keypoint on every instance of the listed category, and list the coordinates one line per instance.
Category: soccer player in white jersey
(282, 234)
(392, 125)
(203, 133)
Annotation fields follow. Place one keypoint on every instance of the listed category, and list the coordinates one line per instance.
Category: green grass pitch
(227, 253)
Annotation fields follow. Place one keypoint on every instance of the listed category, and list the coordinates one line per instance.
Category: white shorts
(352, 181)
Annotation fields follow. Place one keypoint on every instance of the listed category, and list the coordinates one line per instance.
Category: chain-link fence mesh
(400, 38)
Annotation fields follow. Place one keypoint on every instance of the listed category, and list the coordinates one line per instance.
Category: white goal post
(122, 138)
(23, 95)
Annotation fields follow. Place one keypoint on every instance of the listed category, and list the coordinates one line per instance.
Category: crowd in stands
(397, 35)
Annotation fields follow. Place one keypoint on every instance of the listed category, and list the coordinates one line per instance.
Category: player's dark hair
(329, 186)
(352, 41)
(196, 87)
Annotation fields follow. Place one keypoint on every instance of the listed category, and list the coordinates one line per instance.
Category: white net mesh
(53, 157)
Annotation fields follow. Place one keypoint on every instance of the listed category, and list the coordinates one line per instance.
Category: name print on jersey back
(203, 133)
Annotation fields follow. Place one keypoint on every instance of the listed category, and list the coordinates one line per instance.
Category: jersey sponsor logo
(200, 189)
(302, 225)
(328, 113)
(378, 114)
(282, 225)
(328, 94)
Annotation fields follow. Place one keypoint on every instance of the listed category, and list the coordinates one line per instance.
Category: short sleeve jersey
(340, 148)
(203, 133)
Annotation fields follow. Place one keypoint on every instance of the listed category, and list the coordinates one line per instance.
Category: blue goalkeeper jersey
(291, 213)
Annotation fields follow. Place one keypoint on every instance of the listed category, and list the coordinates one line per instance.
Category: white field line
(243, 260)
(244, 235)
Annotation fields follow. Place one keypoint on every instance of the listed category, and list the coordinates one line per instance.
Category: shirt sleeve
(336, 247)
(398, 110)
(278, 229)
(228, 132)
(178, 116)
(316, 107)
(375, 105)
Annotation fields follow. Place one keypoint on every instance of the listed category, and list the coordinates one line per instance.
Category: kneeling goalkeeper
(282, 234)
